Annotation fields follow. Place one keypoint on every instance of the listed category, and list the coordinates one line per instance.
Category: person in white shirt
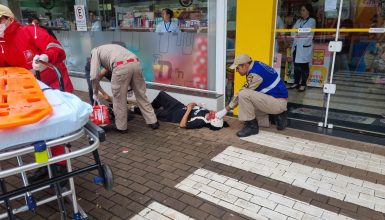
(302, 48)
(95, 23)
(167, 25)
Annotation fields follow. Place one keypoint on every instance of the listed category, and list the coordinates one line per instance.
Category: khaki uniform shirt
(106, 56)
(252, 82)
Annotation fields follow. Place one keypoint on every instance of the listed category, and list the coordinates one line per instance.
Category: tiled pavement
(173, 173)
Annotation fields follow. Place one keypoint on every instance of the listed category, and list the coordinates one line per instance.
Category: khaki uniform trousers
(256, 105)
(123, 77)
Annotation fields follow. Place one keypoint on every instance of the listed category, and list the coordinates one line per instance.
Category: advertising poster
(319, 68)
(184, 67)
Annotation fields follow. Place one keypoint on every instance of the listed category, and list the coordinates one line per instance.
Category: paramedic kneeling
(264, 93)
(126, 72)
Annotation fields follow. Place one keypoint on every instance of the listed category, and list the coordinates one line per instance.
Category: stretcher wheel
(108, 177)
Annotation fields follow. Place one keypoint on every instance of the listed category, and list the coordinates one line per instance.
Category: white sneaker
(302, 88)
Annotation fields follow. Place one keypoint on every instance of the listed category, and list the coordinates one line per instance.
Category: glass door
(302, 57)
(359, 70)
(330, 54)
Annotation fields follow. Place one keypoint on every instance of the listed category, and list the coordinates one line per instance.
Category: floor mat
(335, 115)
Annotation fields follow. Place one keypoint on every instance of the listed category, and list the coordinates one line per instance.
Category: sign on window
(80, 15)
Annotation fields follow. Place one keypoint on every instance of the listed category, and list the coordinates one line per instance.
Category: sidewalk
(173, 173)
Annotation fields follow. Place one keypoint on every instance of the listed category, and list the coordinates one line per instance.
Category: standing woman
(167, 25)
(302, 48)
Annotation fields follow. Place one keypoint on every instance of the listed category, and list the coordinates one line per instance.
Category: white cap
(216, 122)
(240, 59)
(5, 11)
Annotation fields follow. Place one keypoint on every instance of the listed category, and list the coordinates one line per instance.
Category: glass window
(173, 50)
(56, 15)
(230, 47)
(147, 15)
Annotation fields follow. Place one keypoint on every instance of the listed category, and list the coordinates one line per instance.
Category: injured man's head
(213, 122)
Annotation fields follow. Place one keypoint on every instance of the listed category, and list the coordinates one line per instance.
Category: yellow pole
(255, 23)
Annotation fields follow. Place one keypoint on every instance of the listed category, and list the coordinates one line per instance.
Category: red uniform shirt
(21, 43)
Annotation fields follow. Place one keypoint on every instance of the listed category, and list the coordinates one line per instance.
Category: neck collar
(250, 67)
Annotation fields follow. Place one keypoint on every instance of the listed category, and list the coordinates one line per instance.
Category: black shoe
(250, 128)
(281, 120)
(121, 131)
(130, 116)
(137, 110)
(60, 170)
(111, 112)
(272, 119)
(154, 126)
(40, 173)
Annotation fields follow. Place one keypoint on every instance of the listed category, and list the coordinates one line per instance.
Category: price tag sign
(304, 30)
(376, 30)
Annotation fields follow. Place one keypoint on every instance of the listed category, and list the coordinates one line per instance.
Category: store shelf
(138, 29)
(189, 20)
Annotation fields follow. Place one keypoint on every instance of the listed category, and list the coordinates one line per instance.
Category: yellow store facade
(346, 84)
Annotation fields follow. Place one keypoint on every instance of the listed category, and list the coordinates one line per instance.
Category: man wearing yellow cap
(264, 93)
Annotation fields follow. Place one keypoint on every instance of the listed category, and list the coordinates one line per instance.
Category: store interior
(359, 69)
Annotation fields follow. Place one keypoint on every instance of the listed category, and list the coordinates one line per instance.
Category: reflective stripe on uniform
(199, 117)
(54, 45)
(275, 83)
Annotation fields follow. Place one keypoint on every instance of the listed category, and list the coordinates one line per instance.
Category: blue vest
(272, 84)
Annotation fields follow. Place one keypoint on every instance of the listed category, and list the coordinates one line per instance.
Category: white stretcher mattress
(69, 115)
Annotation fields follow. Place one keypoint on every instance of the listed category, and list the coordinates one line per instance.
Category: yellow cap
(240, 59)
(5, 11)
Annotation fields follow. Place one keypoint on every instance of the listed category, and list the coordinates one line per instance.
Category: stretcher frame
(95, 136)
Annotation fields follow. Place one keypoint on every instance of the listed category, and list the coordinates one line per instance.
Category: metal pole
(59, 197)
(27, 195)
(6, 200)
(333, 63)
(57, 71)
(72, 184)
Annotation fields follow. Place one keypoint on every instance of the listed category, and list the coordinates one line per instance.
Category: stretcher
(27, 142)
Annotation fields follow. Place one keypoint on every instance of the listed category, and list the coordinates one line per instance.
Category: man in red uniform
(20, 46)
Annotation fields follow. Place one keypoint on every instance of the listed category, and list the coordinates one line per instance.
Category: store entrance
(346, 85)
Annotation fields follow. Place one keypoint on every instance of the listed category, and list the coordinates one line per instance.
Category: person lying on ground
(189, 116)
